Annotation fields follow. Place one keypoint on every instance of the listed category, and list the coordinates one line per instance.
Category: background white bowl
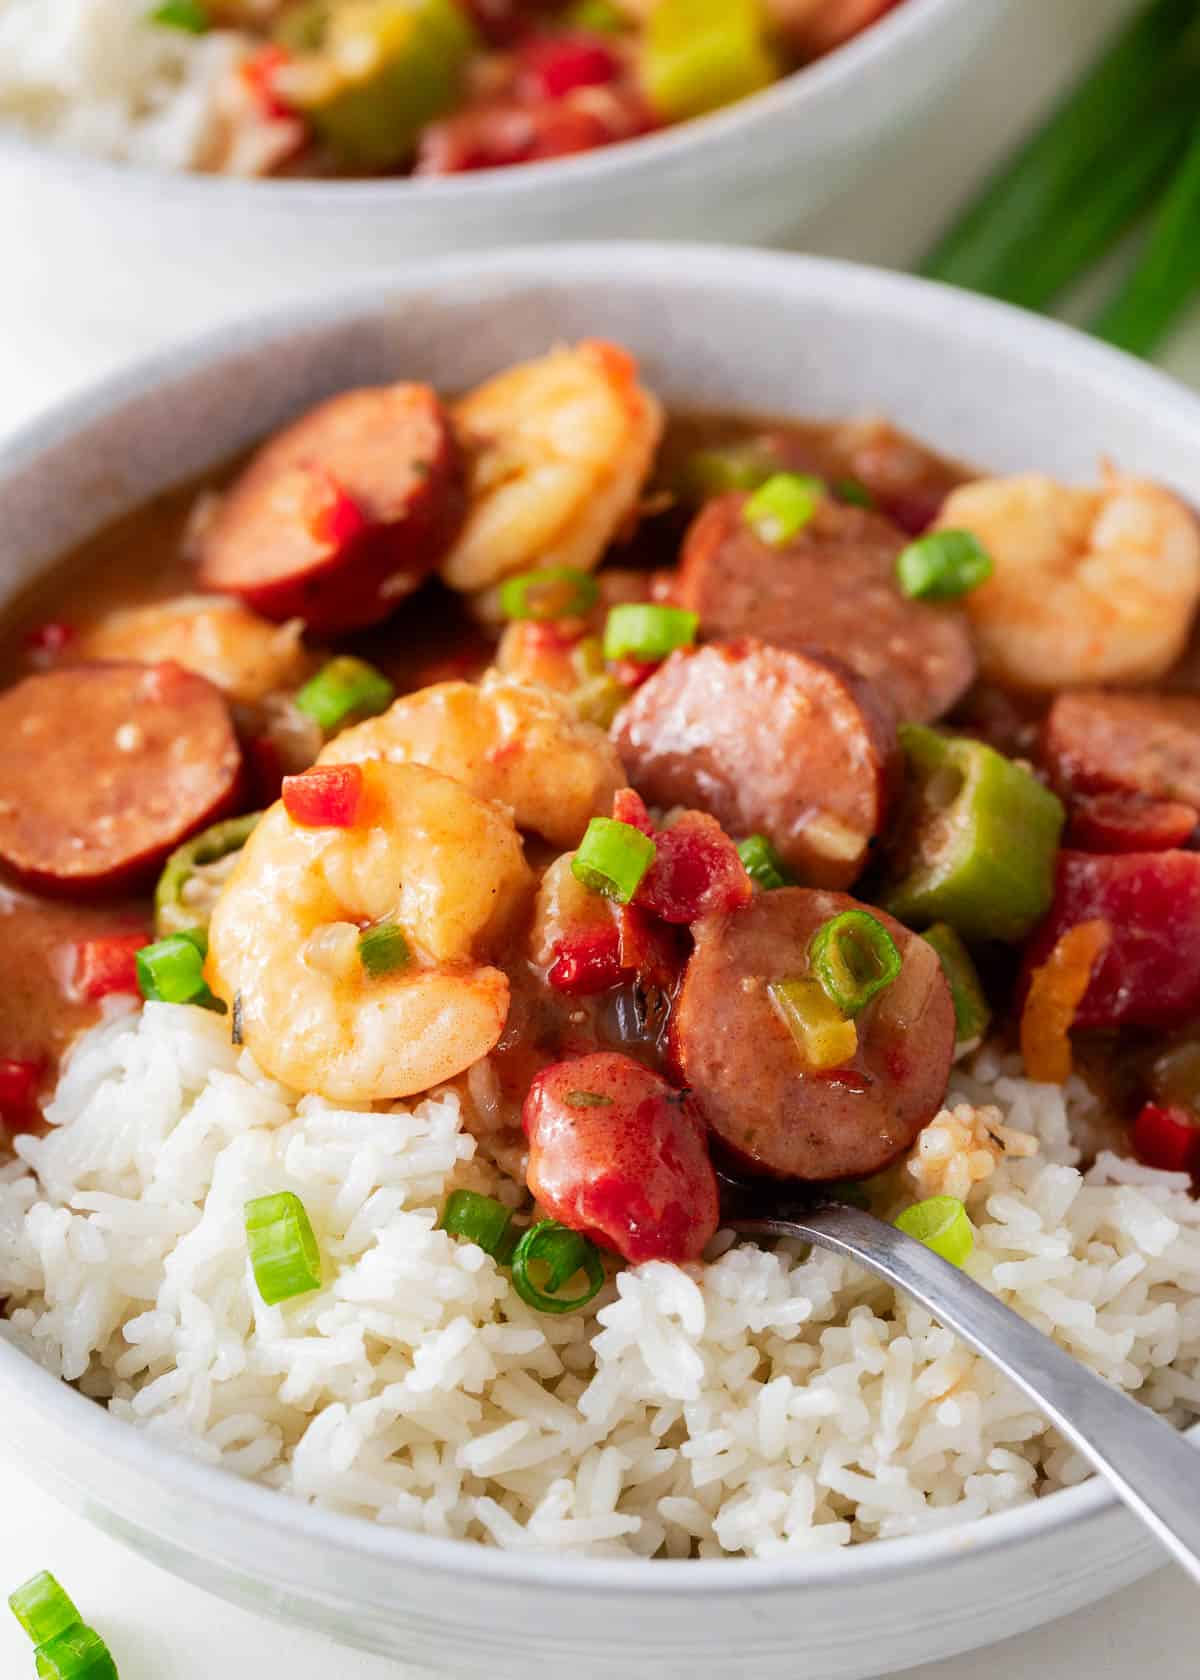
(135, 245)
(741, 330)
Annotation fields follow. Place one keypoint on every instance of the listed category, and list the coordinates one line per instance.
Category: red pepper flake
(106, 965)
(1166, 1135)
(328, 796)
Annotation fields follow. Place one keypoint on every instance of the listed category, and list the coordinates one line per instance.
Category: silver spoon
(1152, 1466)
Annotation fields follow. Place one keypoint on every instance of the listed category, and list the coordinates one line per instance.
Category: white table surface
(160, 1629)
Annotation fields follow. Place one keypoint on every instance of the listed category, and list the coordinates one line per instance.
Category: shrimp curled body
(218, 638)
(1088, 587)
(445, 867)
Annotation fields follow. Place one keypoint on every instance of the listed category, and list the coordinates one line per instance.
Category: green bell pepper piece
(171, 913)
(972, 1012)
(391, 66)
(979, 840)
(698, 55)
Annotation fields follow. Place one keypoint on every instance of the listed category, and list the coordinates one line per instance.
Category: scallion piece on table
(283, 1249)
(940, 1223)
(42, 1607)
(612, 858)
(853, 958)
(646, 631)
(762, 863)
(172, 970)
(564, 1254)
(481, 1220)
(943, 566)
(1021, 208)
(781, 508)
(346, 687)
(554, 592)
(1166, 277)
(78, 1653)
(383, 949)
(822, 1034)
(188, 15)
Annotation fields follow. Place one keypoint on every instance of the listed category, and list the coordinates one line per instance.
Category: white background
(160, 1629)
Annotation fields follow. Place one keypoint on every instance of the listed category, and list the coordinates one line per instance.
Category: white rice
(760, 1403)
(95, 76)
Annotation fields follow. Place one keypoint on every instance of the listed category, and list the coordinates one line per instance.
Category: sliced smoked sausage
(744, 1069)
(833, 587)
(104, 769)
(1094, 741)
(772, 741)
(342, 514)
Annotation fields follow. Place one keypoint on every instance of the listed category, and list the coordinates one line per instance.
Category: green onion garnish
(713, 472)
(555, 592)
(642, 630)
(853, 492)
(346, 687)
(940, 1223)
(762, 863)
(854, 958)
(942, 566)
(283, 1249)
(188, 15)
(78, 1653)
(42, 1608)
(481, 1220)
(383, 949)
(783, 507)
(563, 1253)
(172, 970)
(612, 858)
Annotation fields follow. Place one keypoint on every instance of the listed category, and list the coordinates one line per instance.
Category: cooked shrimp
(505, 741)
(214, 636)
(563, 905)
(445, 867)
(1089, 586)
(559, 449)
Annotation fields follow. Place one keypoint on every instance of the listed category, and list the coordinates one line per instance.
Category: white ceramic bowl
(714, 329)
(110, 245)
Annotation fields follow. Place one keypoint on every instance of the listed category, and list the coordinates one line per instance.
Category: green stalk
(1167, 277)
(1024, 199)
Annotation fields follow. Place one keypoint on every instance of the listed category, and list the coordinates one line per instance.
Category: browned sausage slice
(105, 768)
(1094, 741)
(833, 586)
(342, 514)
(771, 741)
(746, 1072)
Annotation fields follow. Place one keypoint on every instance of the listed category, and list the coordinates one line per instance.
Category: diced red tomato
(629, 807)
(1168, 1137)
(587, 961)
(106, 965)
(47, 642)
(696, 872)
(1129, 822)
(552, 66)
(1150, 974)
(334, 518)
(258, 72)
(621, 1156)
(328, 796)
(19, 1081)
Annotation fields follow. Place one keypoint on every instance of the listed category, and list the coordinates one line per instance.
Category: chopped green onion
(42, 1608)
(783, 506)
(762, 863)
(172, 970)
(714, 472)
(612, 858)
(345, 688)
(942, 566)
(599, 15)
(823, 1035)
(971, 1010)
(646, 631)
(854, 492)
(554, 592)
(283, 1249)
(188, 15)
(854, 958)
(78, 1653)
(383, 949)
(481, 1220)
(940, 1223)
(564, 1253)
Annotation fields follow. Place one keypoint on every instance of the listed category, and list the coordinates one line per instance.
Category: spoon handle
(1152, 1466)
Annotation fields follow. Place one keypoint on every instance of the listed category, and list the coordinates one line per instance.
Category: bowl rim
(897, 297)
(693, 143)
